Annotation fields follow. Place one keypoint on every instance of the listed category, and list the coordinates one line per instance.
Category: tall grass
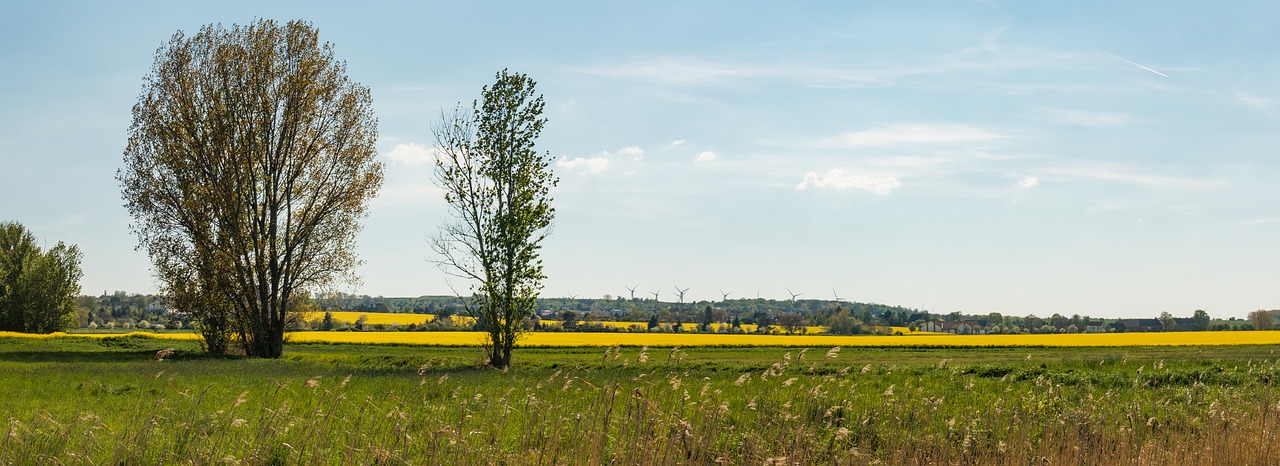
(640, 406)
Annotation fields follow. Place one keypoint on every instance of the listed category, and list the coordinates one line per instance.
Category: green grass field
(109, 401)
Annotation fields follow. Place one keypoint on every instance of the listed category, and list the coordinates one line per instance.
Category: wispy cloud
(1089, 119)
(1029, 182)
(587, 165)
(692, 71)
(838, 179)
(601, 162)
(705, 157)
(631, 152)
(1127, 174)
(910, 134)
(818, 72)
(1255, 101)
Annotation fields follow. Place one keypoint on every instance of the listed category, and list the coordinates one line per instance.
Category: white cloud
(412, 154)
(1258, 102)
(1122, 173)
(838, 179)
(591, 166)
(603, 161)
(705, 157)
(683, 70)
(632, 152)
(910, 134)
(1029, 182)
(677, 142)
(1089, 119)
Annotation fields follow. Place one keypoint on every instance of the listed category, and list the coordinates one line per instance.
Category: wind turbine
(724, 296)
(838, 298)
(680, 293)
(655, 294)
(794, 295)
(632, 289)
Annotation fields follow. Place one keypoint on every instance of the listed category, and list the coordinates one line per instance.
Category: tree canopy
(250, 161)
(498, 188)
(38, 289)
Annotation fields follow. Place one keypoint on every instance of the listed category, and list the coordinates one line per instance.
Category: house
(959, 327)
(160, 307)
(1137, 325)
(1185, 324)
(1095, 326)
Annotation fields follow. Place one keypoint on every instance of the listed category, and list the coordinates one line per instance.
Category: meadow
(140, 400)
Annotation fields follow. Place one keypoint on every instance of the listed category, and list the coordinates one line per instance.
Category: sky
(1111, 159)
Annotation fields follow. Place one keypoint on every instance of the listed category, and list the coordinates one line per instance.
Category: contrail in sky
(1132, 63)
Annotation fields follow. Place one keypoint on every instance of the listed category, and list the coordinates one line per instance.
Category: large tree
(1262, 319)
(250, 162)
(38, 288)
(498, 188)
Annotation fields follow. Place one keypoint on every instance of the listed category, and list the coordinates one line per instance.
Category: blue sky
(1083, 157)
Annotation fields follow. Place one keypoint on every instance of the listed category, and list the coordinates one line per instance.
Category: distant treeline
(121, 310)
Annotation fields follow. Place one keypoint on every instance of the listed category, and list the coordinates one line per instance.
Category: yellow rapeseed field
(165, 335)
(544, 339)
(579, 339)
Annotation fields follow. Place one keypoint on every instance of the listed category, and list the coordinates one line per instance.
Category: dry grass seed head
(832, 353)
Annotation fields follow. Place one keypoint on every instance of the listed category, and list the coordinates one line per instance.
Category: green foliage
(1262, 319)
(844, 324)
(38, 289)
(499, 189)
(251, 159)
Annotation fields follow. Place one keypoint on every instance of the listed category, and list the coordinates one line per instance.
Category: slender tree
(499, 190)
(250, 162)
